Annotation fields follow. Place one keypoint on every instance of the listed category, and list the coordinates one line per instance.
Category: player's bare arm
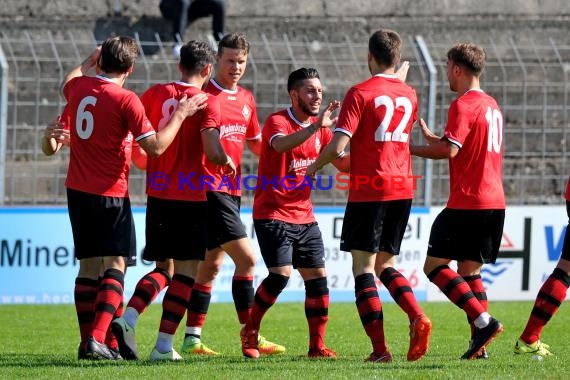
(437, 151)
(84, 68)
(215, 152)
(283, 144)
(333, 152)
(154, 145)
(254, 146)
(55, 136)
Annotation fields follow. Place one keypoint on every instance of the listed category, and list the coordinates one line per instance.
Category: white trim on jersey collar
(219, 87)
(104, 78)
(290, 113)
(381, 75)
(186, 84)
(474, 89)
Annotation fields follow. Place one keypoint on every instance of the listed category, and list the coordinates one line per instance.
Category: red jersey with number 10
(475, 125)
(102, 118)
(377, 115)
(283, 191)
(238, 123)
(178, 173)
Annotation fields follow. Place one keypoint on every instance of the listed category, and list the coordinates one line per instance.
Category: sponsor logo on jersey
(232, 132)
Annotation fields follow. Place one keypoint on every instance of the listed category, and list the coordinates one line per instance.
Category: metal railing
(529, 79)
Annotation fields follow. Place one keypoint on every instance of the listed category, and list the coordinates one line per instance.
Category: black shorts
(224, 221)
(566, 247)
(375, 226)
(282, 244)
(461, 235)
(102, 226)
(175, 230)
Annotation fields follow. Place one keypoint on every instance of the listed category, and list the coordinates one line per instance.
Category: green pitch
(40, 342)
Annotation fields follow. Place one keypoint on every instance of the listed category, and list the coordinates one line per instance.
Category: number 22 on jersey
(383, 133)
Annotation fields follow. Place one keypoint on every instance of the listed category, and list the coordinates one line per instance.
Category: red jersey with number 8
(178, 173)
(102, 118)
(475, 125)
(377, 115)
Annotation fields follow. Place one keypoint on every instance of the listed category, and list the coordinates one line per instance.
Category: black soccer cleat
(481, 338)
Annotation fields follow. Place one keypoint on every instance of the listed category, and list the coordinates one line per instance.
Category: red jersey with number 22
(377, 115)
(283, 191)
(102, 117)
(178, 173)
(475, 125)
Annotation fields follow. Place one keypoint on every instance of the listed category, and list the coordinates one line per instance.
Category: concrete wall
(300, 8)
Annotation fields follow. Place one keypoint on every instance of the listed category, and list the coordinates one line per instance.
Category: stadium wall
(37, 265)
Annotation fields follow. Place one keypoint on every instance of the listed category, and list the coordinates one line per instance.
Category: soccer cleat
(420, 330)
(125, 335)
(116, 353)
(482, 337)
(315, 353)
(269, 348)
(249, 346)
(97, 351)
(81, 354)
(537, 348)
(385, 357)
(171, 355)
(192, 346)
(482, 355)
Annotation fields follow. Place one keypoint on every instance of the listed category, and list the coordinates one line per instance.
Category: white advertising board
(37, 264)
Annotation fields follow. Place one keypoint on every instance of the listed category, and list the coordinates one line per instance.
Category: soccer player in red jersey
(103, 118)
(470, 228)
(550, 296)
(287, 232)
(176, 204)
(226, 232)
(376, 118)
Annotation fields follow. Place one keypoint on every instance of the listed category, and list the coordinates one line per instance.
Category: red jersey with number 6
(377, 115)
(475, 125)
(178, 173)
(283, 190)
(102, 118)
(238, 123)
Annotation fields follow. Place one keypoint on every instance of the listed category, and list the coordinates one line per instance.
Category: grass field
(40, 341)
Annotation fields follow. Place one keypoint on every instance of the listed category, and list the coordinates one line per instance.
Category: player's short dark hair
(297, 77)
(469, 56)
(385, 46)
(234, 41)
(118, 54)
(195, 56)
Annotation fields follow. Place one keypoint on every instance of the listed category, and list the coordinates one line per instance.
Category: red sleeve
(136, 119)
(458, 123)
(253, 131)
(274, 126)
(212, 114)
(350, 112)
(568, 190)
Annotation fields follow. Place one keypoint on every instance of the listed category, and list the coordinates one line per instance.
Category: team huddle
(201, 124)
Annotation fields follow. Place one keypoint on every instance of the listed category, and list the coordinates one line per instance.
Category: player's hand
(197, 102)
(325, 120)
(312, 170)
(230, 168)
(429, 136)
(56, 130)
(189, 106)
(402, 71)
(92, 59)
